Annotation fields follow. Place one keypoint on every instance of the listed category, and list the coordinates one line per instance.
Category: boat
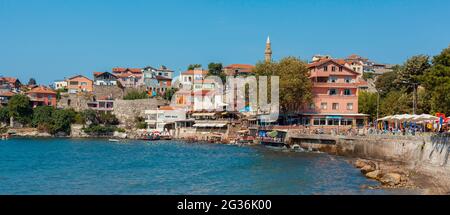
(114, 140)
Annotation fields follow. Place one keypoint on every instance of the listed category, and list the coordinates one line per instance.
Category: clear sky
(53, 39)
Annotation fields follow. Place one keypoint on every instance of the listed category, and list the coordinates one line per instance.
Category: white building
(163, 118)
(190, 76)
(60, 84)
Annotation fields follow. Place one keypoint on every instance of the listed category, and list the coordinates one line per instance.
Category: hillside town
(152, 103)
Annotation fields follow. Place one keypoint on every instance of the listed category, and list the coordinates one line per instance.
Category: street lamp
(414, 95)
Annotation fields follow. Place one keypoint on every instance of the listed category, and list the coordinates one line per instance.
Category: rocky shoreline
(395, 175)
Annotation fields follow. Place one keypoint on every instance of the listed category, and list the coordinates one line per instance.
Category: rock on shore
(388, 176)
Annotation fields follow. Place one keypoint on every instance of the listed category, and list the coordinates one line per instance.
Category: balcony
(335, 85)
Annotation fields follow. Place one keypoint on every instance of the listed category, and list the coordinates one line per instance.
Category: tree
(169, 93)
(32, 81)
(216, 69)
(368, 104)
(62, 119)
(386, 82)
(412, 71)
(295, 85)
(42, 116)
(194, 66)
(437, 82)
(395, 102)
(19, 108)
(4, 115)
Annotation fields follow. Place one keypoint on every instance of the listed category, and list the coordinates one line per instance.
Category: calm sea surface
(68, 166)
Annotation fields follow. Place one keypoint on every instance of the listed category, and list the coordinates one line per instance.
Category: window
(349, 106)
(335, 106)
(333, 92)
(319, 121)
(340, 69)
(347, 122)
(332, 79)
(325, 68)
(333, 121)
(323, 106)
(333, 68)
(83, 84)
(166, 74)
(74, 83)
(347, 92)
(348, 80)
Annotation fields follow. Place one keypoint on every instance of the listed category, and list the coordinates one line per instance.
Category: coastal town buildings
(105, 79)
(78, 84)
(187, 78)
(335, 95)
(60, 84)
(164, 118)
(10, 84)
(42, 96)
(5, 96)
(129, 77)
(238, 70)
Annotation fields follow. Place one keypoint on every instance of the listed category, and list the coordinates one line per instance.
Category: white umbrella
(425, 117)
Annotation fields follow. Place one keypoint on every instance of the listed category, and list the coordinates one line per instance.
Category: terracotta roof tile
(41, 89)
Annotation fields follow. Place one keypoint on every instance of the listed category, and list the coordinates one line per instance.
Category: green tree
(20, 109)
(42, 116)
(32, 81)
(395, 102)
(295, 85)
(194, 66)
(4, 115)
(386, 82)
(62, 119)
(412, 71)
(437, 82)
(216, 69)
(169, 93)
(367, 104)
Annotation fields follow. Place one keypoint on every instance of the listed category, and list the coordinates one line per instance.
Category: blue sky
(49, 39)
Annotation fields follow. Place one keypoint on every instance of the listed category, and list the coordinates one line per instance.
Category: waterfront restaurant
(335, 95)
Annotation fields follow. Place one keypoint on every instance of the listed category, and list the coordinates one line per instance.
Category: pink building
(335, 95)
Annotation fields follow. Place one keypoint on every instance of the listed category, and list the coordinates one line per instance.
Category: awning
(209, 125)
(203, 114)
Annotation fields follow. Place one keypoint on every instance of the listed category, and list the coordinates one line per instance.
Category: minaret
(268, 52)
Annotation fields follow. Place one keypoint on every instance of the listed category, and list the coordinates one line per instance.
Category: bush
(140, 123)
(62, 119)
(121, 130)
(4, 115)
(19, 108)
(134, 95)
(42, 115)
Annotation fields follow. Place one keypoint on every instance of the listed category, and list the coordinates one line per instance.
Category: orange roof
(41, 89)
(191, 72)
(166, 108)
(9, 79)
(79, 76)
(240, 66)
(97, 73)
(7, 94)
(133, 70)
(128, 74)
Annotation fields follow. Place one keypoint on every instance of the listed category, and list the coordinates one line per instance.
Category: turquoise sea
(92, 166)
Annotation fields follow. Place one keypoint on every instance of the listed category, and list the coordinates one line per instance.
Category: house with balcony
(5, 96)
(335, 95)
(187, 78)
(164, 118)
(129, 77)
(79, 84)
(10, 84)
(42, 96)
(105, 104)
(104, 79)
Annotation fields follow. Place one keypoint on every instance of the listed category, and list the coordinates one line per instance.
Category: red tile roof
(41, 89)
(166, 108)
(121, 70)
(191, 72)
(240, 66)
(7, 94)
(10, 80)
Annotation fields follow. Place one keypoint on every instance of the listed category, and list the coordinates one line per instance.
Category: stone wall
(113, 92)
(76, 101)
(127, 110)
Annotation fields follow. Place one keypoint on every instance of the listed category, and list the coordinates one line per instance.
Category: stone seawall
(127, 110)
(428, 155)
